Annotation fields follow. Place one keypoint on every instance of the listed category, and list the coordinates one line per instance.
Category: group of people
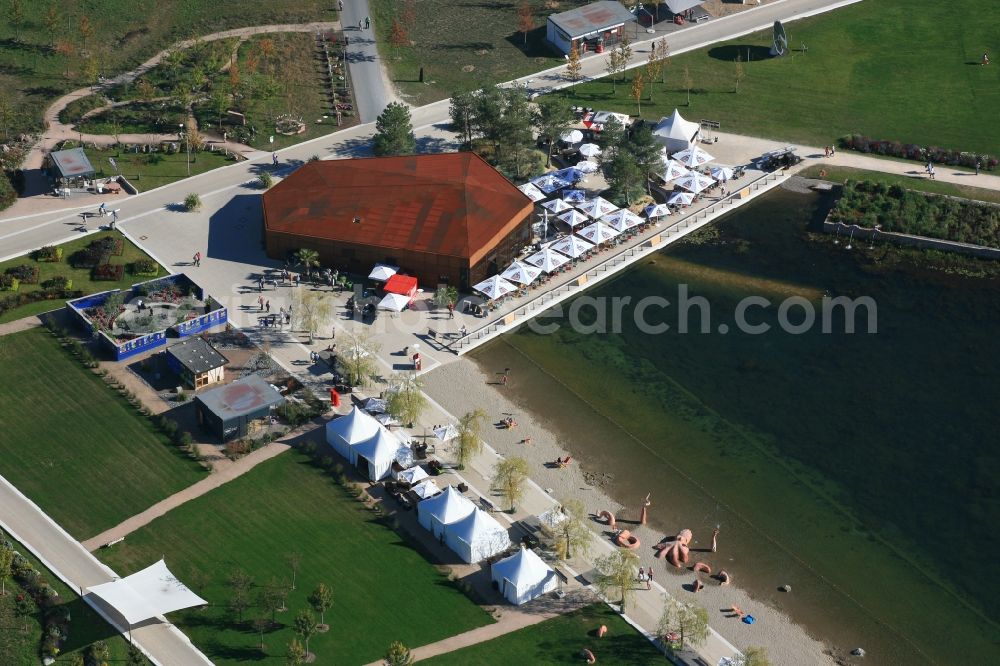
(646, 577)
(829, 151)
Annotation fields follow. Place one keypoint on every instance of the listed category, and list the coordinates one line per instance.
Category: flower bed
(24, 273)
(110, 272)
(49, 253)
(17, 300)
(9, 283)
(98, 252)
(57, 282)
(144, 267)
(911, 151)
(55, 616)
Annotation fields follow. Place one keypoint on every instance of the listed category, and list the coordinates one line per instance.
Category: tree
(574, 68)
(610, 139)
(272, 598)
(65, 49)
(752, 656)
(516, 129)
(624, 50)
(445, 295)
(398, 36)
(239, 583)
(220, 102)
(687, 620)
(662, 50)
(638, 83)
(321, 599)
(623, 175)
(295, 654)
(554, 117)
(525, 19)
(461, 112)
(308, 259)
(6, 561)
(738, 72)
(398, 655)
(312, 309)
(469, 441)
(51, 22)
(7, 116)
(509, 475)
(487, 115)
(571, 534)
(15, 16)
(293, 560)
(654, 67)
(611, 67)
(687, 82)
(305, 626)
(406, 399)
(86, 29)
(90, 70)
(617, 572)
(646, 152)
(394, 131)
(134, 656)
(261, 624)
(358, 358)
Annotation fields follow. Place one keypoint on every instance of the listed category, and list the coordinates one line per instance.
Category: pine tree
(394, 131)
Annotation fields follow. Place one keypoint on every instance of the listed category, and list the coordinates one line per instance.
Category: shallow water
(861, 469)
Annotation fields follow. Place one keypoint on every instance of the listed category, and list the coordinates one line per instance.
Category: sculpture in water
(677, 551)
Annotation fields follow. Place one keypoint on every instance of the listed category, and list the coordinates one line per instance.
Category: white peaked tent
(379, 451)
(353, 428)
(437, 512)
(412, 476)
(675, 133)
(678, 6)
(476, 537)
(146, 594)
(427, 489)
(680, 198)
(524, 576)
(695, 182)
(673, 169)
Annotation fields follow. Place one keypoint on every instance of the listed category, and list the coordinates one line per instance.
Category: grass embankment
(149, 170)
(40, 61)
(896, 209)
(461, 44)
(839, 174)
(73, 446)
(81, 277)
(887, 69)
(559, 641)
(383, 590)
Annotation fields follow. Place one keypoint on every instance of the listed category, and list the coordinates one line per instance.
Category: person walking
(267, 306)
(114, 218)
(102, 210)
(451, 311)
(340, 5)
(978, 165)
(649, 579)
(361, 24)
(986, 59)
(260, 302)
(197, 259)
(505, 377)
(274, 159)
(368, 22)
(463, 331)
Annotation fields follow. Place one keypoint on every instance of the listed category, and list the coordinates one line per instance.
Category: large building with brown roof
(447, 217)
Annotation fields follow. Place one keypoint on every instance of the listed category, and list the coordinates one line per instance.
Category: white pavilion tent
(378, 452)
(146, 594)
(524, 576)
(673, 169)
(675, 133)
(556, 206)
(476, 537)
(353, 428)
(426, 489)
(448, 507)
(621, 220)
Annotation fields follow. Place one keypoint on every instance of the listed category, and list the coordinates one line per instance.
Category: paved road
(164, 644)
(372, 88)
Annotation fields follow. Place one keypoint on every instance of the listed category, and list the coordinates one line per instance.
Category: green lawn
(79, 276)
(85, 628)
(892, 69)
(76, 448)
(147, 171)
(920, 184)
(461, 44)
(383, 589)
(559, 641)
(122, 35)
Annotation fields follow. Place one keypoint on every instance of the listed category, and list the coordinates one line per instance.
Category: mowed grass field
(838, 174)
(559, 641)
(73, 446)
(906, 70)
(383, 590)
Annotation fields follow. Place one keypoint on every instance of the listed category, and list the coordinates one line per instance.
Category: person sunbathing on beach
(509, 422)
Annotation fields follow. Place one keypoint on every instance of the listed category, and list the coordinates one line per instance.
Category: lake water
(860, 468)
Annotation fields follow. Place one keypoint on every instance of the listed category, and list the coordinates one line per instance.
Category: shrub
(266, 180)
(9, 283)
(25, 273)
(57, 282)
(910, 151)
(49, 253)
(108, 272)
(192, 202)
(8, 194)
(144, 267)
(182, 396)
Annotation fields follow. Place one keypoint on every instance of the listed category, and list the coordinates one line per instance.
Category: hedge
(17, 300)
(911, 151)
(8, 195)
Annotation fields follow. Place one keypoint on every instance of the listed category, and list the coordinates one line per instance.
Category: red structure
(448, 217)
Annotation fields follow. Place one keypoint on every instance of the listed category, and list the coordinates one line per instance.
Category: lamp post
(187, 147)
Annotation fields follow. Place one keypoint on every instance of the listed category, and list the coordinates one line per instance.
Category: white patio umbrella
(693, 157)
(445, 433)
(598, 232)
(587, 166)
(382, 272)
(373, 405)
(550, 183)
(572, 136)
(574, 218)
(681, 198)
(574, 196)
(494, 287)
(426, 489)
(521, 272)
(394, 302)
(673, 169)
(623, 219)
(590, 150)
(695, 182)
(532, 192)
(597, 207)
(556, 205)
(721, 173)
(547, 259)
(572, 246)
(657, 210)
(386, 419)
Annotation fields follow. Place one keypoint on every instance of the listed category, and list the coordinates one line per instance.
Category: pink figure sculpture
(645, 509)
(715, 539)
(701, 566)
(608, 516)
(677, 552)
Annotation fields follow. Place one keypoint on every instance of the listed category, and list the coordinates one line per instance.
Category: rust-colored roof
(452, 204)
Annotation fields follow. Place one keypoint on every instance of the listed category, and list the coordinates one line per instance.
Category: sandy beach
(461, 386)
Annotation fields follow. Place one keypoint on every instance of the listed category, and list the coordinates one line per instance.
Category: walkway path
(216, 479)
(19, 325)
(370, 80)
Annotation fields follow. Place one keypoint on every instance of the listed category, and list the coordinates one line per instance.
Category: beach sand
(461, 386)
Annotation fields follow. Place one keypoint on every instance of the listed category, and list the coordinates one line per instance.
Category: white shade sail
(521, 272)
(523, 576)
(574, 218)
(693, 157)
(590, 150)
(446, 432)
(531, 192)
(394, 302)
(598, 232)
(721, 173)
(657, 210)
(597, 207)
(572, 246)
(344, 432)
(695, 182)
(383, 272)
(547, 259)
(427, 489)
(572, 136)
(673, 169)
(681, 198)
(146, 594)
(623, 219)
(556, 205)
(574, 196)
(587, 167)
(494, 287)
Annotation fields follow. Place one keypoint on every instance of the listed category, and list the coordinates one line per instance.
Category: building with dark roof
(587, 27)
(196, 362)
(70, 165)
(237, 409)
(447, 217)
